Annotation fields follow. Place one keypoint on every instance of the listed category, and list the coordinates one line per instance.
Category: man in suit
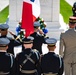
(7, 60)
(13, 42)
(51, 63)
(68, 47)
(28, 60)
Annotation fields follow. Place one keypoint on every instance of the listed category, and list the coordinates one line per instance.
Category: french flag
(30, 11)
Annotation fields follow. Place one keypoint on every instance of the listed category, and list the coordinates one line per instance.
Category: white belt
(28, 71)
(50, 73)
(2, 73)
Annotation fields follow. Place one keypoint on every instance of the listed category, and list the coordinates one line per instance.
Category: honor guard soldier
(51, 63)
(13, 42)
(28, 59)
(7, 61)
(68, 47)
(38, 38)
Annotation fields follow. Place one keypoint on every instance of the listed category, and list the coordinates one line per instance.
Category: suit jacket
(68, 46)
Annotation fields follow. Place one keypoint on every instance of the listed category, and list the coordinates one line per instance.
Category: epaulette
(58, 55)
(35, 50)
(10, 54)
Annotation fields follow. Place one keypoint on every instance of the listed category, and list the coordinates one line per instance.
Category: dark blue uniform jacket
(50, 62)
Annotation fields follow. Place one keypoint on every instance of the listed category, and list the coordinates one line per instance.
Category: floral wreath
(42, 25)
(20, 31)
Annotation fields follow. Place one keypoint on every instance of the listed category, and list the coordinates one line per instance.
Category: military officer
(28, 60)
(38, 38)
(51, 63)
(7, 61)
(13, 42)
(68, 47)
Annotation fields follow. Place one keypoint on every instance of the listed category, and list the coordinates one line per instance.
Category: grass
(65, 10)
(4, 14)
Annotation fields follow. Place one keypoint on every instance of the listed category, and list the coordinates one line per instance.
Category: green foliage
(4, 14)
(65, 10)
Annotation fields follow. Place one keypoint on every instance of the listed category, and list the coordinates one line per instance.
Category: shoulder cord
(37, 55)
(60, 61)
(11, 60)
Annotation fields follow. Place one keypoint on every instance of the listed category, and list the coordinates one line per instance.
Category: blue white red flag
(35, 8)
(31, 10)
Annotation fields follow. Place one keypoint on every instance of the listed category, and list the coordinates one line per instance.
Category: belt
(4, 73)
(28, 71)
(50, 73)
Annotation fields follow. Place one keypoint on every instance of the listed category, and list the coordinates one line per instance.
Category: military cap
(72, 19)
(4, 42)
(36, 24)
(51, 41)
(28, 40)
(4, 26)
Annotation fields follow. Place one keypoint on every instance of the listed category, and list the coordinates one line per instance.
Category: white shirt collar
(51, 51)
(2, 51)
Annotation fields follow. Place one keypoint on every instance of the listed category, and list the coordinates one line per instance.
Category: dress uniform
(51, 63)
(7, 61)
(28, 59)
(38, 39)
(68, 47)
(13, 42)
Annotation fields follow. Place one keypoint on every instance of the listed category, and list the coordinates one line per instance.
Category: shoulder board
(35, 50)
(59, 55)
(10, 54)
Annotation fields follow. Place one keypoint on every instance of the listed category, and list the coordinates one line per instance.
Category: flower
(20, 31)
(43, 24)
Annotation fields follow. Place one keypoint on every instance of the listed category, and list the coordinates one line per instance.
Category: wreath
(42, 25)
(21, 32)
